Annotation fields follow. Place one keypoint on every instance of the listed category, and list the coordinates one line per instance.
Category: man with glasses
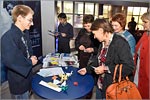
(17, 52)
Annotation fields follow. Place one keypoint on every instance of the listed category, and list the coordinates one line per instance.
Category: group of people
(108, 41)
(116, 46)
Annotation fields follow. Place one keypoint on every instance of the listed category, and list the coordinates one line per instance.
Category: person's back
(132, 26)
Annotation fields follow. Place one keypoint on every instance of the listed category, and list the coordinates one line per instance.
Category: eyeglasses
(29, 20)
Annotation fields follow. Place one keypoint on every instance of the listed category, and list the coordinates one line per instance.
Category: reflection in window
(68, 7)
(89, 8)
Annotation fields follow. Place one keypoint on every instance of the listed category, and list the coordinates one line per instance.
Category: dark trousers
(83, 58)
(63, 48)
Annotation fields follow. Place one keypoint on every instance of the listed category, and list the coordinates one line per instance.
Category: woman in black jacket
(113, 50)
(85, 42)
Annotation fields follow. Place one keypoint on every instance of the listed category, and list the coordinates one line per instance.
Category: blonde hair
(22, 10)
(146, 16)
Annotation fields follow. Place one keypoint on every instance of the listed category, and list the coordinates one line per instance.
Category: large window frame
(79, 9)
(136, 12)
(75, 16)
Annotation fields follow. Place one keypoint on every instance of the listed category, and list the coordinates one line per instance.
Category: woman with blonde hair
(142, 59)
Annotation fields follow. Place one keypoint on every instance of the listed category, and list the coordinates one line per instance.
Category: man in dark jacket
(17, 53)
(65, 30)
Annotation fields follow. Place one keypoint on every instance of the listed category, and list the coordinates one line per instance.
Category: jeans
(24, 96)
(98, 93)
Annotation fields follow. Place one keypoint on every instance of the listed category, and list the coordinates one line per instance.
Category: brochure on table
(57, 59)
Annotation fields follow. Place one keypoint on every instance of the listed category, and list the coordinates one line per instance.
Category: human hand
(100, 69)
(63, 34)
(34, 60)
(81, 47)
(89, 50)
(82, 71)
(56, 34)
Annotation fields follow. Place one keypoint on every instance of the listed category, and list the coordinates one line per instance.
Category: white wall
(48, 23)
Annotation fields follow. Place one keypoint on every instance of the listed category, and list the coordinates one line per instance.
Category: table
(85, 85)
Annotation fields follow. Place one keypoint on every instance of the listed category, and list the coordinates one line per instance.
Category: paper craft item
(51, 86)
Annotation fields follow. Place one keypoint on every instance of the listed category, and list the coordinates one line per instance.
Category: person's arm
(77, 40)
(70, 32)
(13, 57)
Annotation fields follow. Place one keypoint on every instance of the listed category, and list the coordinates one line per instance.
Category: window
(136, 12)
(68, 7)
(78, 7)
(106, 11)
(89, 8)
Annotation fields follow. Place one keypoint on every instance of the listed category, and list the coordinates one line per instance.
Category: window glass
(96, 9)
(59, 7)
(136, 10)
(68, 7)
(78, 20)
(143, 10)
(105, 9)
(89, 8)
(130, 10)
(78, 7)
(70, 18)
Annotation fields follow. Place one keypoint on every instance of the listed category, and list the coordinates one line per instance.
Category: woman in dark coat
(113, 50)
(85, 42)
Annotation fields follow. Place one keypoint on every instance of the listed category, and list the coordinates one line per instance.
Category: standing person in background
(65, 30)
(113, 50)
(17, 52)
(142, 54)
(85, 42)
(132, 26)
(119, 23)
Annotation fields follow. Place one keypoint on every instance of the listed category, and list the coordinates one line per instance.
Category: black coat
(118, 53)
(14, 56)
(87, 40)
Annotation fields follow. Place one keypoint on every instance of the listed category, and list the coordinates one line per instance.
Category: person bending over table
(113, 50)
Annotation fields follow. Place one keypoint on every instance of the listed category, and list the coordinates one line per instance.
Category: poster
(35, 30)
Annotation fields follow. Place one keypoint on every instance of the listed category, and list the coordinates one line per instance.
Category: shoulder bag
(123, 88)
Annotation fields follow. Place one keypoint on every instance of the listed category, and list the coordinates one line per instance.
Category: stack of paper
(50, 71)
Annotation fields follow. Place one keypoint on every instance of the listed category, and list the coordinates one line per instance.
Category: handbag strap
(120, 73)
